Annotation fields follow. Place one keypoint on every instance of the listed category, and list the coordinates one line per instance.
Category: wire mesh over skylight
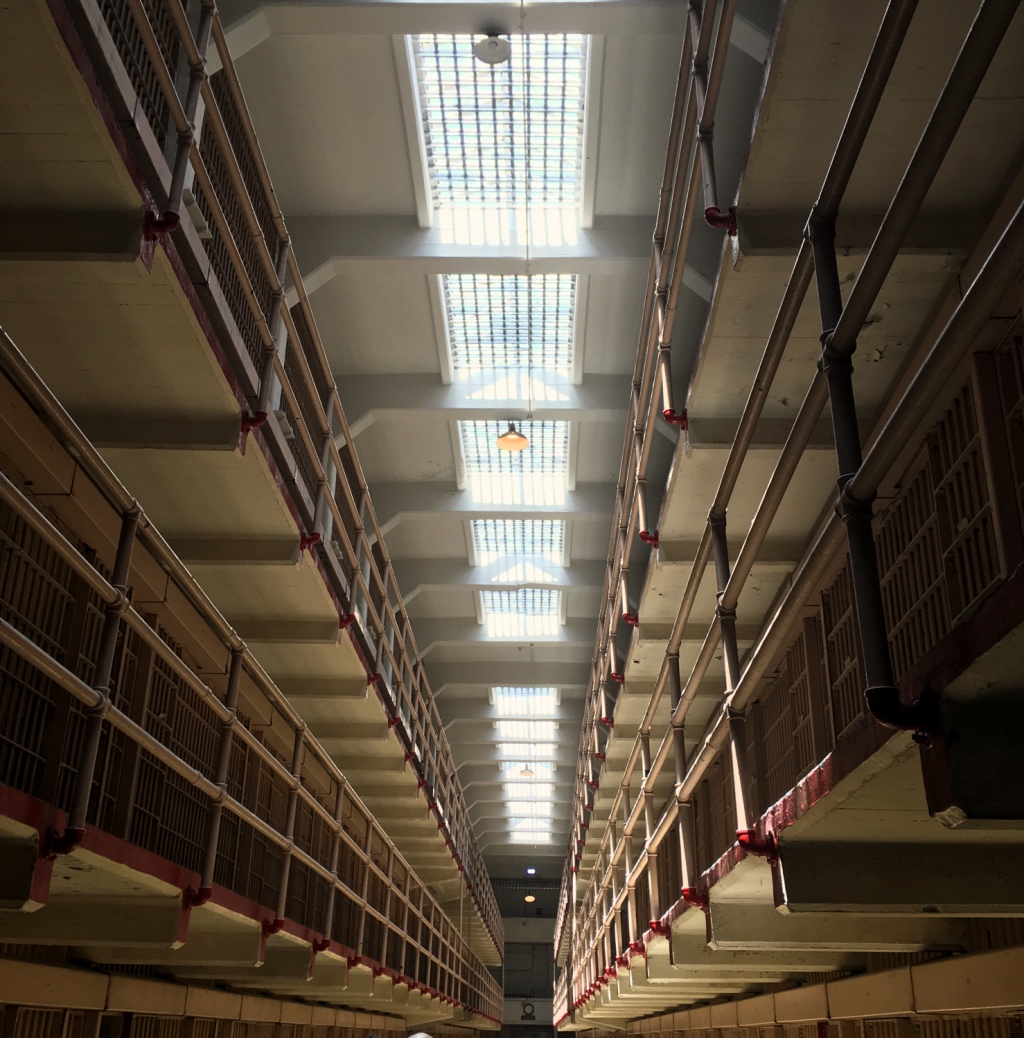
(534, 476)
(529, 731)
(526, 754)
(512, 334)
(529, 809)
(512, 701)
(523, 790)
(520, 551)
(529, 830)
(506, 135)
(524, 613)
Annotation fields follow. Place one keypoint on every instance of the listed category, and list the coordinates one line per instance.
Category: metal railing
(283, 372)
(624, 890)
(107, 717)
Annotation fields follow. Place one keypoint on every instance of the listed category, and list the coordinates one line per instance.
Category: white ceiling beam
(453, 677)
(459, 630)
(395, 501)
(596, 17)
(365, 398)
(416, 575)
(566, 248)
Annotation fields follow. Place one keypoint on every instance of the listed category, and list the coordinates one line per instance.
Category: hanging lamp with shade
(512, 439)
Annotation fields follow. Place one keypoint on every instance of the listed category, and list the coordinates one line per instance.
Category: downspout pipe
(838, 341)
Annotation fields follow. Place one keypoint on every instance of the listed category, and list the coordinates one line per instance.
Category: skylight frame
(503, 136)
(505, 330)
(516, 729)
(515, 541)
(522, 612)
(528, 701)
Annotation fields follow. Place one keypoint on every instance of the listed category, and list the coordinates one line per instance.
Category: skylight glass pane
(506, 135)
(526, 612)
(527, 752)
(511, 334)
(530, 731)
(529, 836)
(529, 790)
(534, 476)
(525, 702)
(529, 823)
(514, 769)
(503, 542)
(534, 810)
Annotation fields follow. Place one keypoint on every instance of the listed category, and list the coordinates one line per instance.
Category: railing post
(270, 386)
(74, 828)
(339, 806)
(289, 825)
(205, 891)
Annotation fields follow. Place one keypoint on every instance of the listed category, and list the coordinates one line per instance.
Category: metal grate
(534, 476)
(511, 730)
(499, 541)
(842, 654)
(508, 326)
(523, 613)
(515, 701)
(507, 135)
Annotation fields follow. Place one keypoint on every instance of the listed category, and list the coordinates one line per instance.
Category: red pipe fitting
(585, 827)
(321, 945)
(54, 843)
(593, 784)
(675, 417)
(253, 420)
(632, 619)
(601, 757)
(393, 721)
(763, 846)
(307, 540)
(637, 948)
(154, 227)
(608, 722)
(196, 898)
(721, 221)
(346, 621)
(660, 929)
(650, 539)
(694, 898)
(623, 961)
(619, 679)
(269, 927)
(372, 679)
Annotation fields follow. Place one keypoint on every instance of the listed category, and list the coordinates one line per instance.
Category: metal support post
(74, 829)
(289, 825)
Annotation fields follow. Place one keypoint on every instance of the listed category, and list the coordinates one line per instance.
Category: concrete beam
(691, 953)
(130, 922)
(217, 948)
(555, 16)
(739, 926)
(981, 879)
(161, 431)
(71, 236)
(397, 501)
(367, 398)
(283, 630)
(417, 575)
(237, 551)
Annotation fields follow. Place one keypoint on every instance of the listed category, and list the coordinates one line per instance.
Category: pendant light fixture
(512, 439)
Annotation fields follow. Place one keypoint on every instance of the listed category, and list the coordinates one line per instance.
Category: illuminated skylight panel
(526, 754)
(514, 701)
(523, 613)
(534, 476)
(543, 771)
(499, 541)
(529, 731)
(529, 809)
(506, 330)
(530, 836)
(522, 790)
(507, 135)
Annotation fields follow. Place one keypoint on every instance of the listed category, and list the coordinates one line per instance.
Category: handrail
(426, 740)
(869, 92)
(94, 468)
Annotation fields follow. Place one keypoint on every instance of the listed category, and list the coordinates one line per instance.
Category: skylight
(513, 769)
(529, 809)
(530, 731)
(504, 540)
(525, 702)
(529, 790)
(524, 613)
(534, 476)
(527, 753)
(507, 135)
(511, 334)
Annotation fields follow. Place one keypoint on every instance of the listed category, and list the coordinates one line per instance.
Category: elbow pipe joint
(154, 227)
(694, 898)
(631, 618)
(307, 540)
(54, 844)
(269, 927)
(650, 538)
(921, 717)
(619, 679)
(253, 420)
(675, 417)
(753, 842)
(197, 898)
(608, 722)
(721, 221)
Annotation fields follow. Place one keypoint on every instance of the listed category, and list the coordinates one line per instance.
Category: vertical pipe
(205, 890)
(74, 829)
(289, 825)
(339, 806)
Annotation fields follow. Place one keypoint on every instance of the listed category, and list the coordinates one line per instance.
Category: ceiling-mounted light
(511, 440)
(493, 49)
(531, 871)
(529, 899)
(527, 772)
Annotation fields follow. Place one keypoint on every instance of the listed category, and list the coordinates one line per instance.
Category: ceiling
(334, 98)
